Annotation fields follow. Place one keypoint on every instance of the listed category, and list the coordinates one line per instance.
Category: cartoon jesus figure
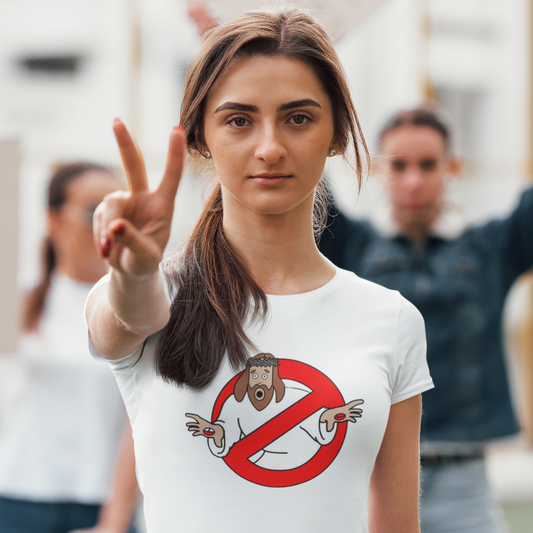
(259, 395)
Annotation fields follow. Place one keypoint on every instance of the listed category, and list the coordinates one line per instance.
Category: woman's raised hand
(132, 228)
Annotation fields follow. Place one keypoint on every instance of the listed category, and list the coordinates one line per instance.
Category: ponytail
(36, 299)
(56, 198)
(215, 297)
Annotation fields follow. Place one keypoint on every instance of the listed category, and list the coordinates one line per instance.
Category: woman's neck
(280, 250)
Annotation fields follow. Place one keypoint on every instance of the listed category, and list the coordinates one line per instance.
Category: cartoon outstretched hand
(206, 429)
(345, 413)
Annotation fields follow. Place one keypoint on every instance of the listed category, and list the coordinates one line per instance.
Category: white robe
(293, 449)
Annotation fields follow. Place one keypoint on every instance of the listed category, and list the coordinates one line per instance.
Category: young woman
(59, 443)
(243, 393)
(458, 278)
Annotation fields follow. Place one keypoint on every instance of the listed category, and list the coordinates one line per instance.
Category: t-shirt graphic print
(278, 423)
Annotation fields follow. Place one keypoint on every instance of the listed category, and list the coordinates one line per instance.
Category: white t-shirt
(65, 418)
(279, 467)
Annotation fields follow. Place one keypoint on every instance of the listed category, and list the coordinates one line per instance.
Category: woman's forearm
(139, 303)
(121, 314)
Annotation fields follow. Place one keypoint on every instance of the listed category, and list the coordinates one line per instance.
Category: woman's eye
(238, 122)
(428, 165)
(299, 119)
(397, 165)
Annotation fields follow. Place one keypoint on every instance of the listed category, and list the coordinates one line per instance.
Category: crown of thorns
(263, 361)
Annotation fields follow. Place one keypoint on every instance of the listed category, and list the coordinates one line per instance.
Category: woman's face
(415, 164)
(269, 128)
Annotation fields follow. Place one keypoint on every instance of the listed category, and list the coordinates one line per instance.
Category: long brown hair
(56, 198)
(215, 293)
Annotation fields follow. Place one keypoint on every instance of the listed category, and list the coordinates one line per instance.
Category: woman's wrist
(139, 302)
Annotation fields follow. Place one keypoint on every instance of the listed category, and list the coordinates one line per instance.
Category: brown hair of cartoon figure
(260, 380)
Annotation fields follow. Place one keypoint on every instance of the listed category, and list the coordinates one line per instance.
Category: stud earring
(207, 154)
(332, 152)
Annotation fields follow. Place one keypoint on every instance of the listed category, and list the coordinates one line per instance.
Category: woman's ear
(53, 223)
(455, 165)
(204, 150)
(333, 149)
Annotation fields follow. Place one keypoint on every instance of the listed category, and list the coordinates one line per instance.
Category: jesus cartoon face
(260, 385)
(260, 381)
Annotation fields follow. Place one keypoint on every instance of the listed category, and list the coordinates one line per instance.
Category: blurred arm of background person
(115, 516)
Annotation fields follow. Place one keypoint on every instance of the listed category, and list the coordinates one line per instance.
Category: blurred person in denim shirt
(458, 277)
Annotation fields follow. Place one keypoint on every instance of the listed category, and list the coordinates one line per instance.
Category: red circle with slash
(324, 394)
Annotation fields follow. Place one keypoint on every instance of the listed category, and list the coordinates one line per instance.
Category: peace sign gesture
(131, 228)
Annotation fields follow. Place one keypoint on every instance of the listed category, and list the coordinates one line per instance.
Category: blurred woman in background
(59, 443)
(458, 278)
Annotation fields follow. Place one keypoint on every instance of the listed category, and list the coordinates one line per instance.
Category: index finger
(132, 158)
(174, 167)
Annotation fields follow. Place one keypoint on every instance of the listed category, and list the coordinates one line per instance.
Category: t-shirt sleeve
(412, 373)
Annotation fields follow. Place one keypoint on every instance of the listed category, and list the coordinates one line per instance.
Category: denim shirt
(459, 285)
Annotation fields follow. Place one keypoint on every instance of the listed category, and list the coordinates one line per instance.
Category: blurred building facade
(68, 67)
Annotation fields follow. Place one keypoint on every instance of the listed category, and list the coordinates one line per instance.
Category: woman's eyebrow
(299, 103)
(248, 108)
(235, 106)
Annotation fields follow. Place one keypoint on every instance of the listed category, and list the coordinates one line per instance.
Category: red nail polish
(116, 120)
(105, 246)
(119, 229)
(179, 127)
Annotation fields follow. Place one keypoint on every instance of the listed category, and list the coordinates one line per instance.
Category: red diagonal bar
(323, 393)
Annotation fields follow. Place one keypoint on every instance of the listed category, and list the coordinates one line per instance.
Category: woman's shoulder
(352, 283)
(360, 292)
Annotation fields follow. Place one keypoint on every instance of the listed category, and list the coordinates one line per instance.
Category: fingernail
(105, 246)
(179, 127)
(116, 121)
(119, 229)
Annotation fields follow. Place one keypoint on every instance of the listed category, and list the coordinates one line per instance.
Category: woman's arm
(394, 485)
(131, 229)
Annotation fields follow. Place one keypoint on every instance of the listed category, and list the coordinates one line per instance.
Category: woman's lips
(415, 207)
(271, 179)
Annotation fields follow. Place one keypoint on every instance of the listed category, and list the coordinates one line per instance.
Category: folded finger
(132, 158)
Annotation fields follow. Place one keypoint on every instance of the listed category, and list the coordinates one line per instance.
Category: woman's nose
(270, 148)
(413, 178)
